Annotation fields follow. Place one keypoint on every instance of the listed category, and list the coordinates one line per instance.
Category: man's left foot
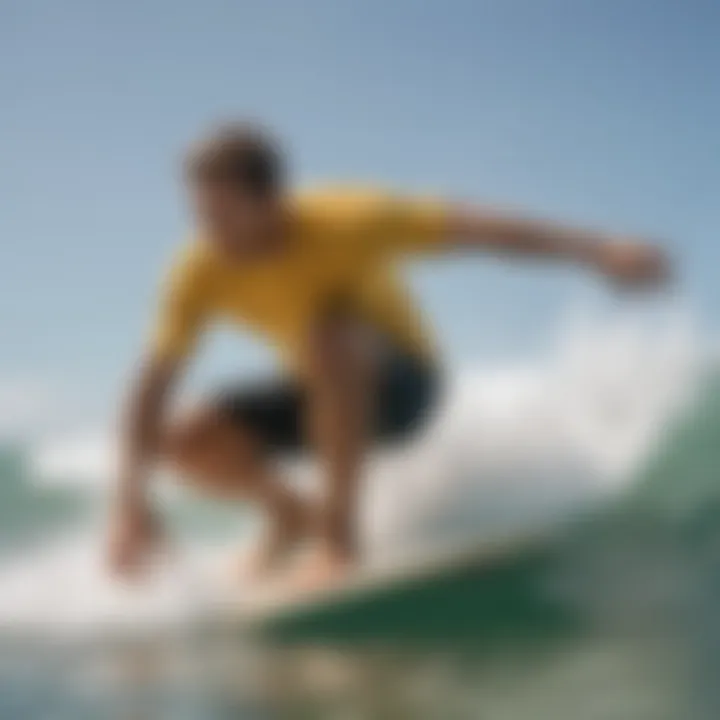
(320, 568)
(276, 547)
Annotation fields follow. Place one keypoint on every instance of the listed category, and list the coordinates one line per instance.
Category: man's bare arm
(141, 423)
(140, 436)
(626, 260)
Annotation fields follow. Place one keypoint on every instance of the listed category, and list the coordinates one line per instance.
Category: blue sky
(604, 113)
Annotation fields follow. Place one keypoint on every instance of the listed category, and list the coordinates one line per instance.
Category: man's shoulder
(333, 209)
(193, 252)
(190, 262)
(338, 198)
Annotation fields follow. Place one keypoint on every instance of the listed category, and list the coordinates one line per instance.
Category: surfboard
(480, 590)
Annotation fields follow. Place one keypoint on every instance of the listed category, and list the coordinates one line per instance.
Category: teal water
(630, 627)
(29, 513)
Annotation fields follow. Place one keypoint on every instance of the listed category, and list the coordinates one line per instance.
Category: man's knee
(189, 435)
(208, 452)
(203, 443)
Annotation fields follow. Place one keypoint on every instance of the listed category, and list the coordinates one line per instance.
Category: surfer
(314, 275)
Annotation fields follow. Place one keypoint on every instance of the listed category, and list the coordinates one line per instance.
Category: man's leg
(341, 397)
(222, 459)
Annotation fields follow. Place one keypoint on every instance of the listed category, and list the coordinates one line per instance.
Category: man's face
(239, 223)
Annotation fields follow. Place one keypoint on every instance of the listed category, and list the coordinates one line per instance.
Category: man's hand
(632, 264)
(134, 534)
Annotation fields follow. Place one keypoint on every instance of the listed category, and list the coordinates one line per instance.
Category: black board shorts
(274, 411)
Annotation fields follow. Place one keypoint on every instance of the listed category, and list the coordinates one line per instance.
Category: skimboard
(475, 591)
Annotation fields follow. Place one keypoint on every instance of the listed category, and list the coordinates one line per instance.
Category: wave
(513, 445)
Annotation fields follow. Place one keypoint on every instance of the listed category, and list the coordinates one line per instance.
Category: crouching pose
(314, 274)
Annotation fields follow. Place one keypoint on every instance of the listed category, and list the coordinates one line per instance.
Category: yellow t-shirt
(342, 245)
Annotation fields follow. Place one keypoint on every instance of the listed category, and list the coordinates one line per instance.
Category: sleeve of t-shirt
(371, 223)
(180, 314)
(408, 225)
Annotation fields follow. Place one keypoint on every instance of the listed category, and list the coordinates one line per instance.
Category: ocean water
(611, 440)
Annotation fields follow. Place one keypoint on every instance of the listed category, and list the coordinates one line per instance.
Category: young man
(314, 275)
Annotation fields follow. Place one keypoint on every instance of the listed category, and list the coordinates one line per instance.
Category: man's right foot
(274, 549)
(266, 557)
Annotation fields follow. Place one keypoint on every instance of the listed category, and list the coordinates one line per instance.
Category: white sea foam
(511, 444)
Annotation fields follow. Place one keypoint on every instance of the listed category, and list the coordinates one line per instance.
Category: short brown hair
(241, 153)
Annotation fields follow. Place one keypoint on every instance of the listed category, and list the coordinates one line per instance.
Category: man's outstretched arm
(420, 226)
(625, 260)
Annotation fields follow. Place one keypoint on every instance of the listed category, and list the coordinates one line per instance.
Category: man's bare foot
(274, 549)
(321, 567)
(267, 556)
